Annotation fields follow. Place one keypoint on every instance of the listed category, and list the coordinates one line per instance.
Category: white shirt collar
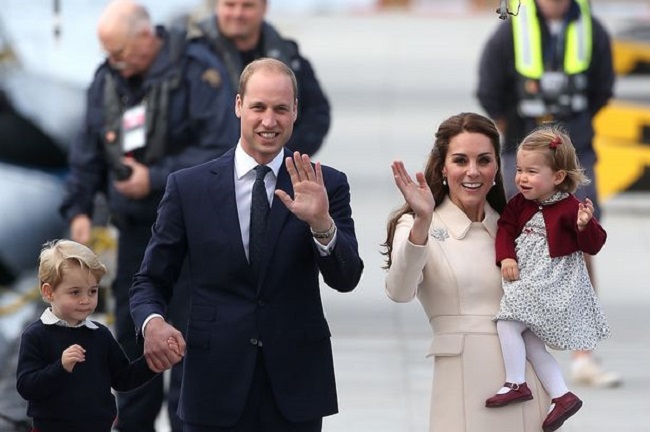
(244, 163)
(459, 224)
(48, 318)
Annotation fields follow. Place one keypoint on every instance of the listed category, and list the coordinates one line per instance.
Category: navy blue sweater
(80, 401)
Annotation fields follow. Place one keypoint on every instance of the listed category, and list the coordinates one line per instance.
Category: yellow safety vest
(528, 41)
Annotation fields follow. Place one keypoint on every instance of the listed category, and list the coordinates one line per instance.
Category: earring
(444, 181)
(494, 183)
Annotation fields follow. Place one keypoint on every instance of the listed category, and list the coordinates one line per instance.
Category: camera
(122, 172)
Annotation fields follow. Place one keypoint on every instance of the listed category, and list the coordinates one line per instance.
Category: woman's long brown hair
(448, 129)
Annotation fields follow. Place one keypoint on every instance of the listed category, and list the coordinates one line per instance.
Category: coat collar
(457, 222)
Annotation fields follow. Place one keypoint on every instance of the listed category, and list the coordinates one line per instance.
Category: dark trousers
(261, 413)
(138, 409)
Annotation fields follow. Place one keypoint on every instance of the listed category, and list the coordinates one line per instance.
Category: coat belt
(463, 324)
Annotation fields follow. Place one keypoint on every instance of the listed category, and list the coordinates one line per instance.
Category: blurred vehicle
(623, 127)
(38, 119)
(44, 72)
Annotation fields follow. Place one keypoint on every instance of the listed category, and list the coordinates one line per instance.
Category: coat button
(254, 341)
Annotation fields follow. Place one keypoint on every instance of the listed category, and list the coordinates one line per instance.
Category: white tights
(518, 343)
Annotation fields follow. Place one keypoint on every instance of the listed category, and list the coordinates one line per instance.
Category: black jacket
(313, 121)
(498, 78)
(201, 125)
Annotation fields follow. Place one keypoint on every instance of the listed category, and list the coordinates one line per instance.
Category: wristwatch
(329, 233)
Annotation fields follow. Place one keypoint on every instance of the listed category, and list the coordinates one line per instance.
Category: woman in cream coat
(440, 248)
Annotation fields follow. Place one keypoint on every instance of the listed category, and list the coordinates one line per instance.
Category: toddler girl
(548, 297)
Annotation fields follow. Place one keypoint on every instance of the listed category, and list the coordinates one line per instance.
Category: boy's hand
(509, 269)
(173, 345)
(157, 349)
(585, 213)
(71, 356)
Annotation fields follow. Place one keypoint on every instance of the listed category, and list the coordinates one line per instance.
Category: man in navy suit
(258, 355)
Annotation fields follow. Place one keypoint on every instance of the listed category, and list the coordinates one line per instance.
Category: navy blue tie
(259, 217)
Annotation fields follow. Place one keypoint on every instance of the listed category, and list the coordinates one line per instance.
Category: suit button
(261, 303)
(254, 341)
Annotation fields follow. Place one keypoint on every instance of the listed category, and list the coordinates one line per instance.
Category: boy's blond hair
(57, 256)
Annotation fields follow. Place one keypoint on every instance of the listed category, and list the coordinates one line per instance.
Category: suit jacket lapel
(221, 190)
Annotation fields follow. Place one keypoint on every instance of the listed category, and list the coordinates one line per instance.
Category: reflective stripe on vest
(528, 41)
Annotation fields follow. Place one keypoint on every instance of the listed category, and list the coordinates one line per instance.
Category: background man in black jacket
(238, 34)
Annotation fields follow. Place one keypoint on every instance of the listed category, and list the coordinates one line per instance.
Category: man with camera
(158, 103)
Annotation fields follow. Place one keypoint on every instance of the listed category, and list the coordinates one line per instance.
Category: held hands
(310, 203)
(509, 269)
(585, 213)
(173, 345)
(71, 356)
(164, 346)
(419, 197)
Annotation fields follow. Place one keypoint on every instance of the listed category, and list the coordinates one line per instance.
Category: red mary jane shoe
(517, 393)
(565, 406)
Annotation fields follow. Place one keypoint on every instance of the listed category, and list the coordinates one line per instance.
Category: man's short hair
(269, 64)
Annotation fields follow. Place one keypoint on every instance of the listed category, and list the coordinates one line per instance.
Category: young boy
(67, 363)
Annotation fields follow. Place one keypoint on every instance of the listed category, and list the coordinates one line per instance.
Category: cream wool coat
(456, 280)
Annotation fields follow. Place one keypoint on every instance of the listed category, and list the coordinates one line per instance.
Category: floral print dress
(553, 296)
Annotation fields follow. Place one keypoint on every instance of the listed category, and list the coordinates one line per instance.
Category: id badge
(134, 128)
(553, 83)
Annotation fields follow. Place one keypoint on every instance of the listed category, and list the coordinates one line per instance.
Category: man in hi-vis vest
(552, 62)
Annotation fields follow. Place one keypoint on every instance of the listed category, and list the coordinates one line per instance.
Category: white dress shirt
(244, 180)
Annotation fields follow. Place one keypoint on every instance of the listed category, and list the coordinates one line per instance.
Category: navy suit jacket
(234, 313)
